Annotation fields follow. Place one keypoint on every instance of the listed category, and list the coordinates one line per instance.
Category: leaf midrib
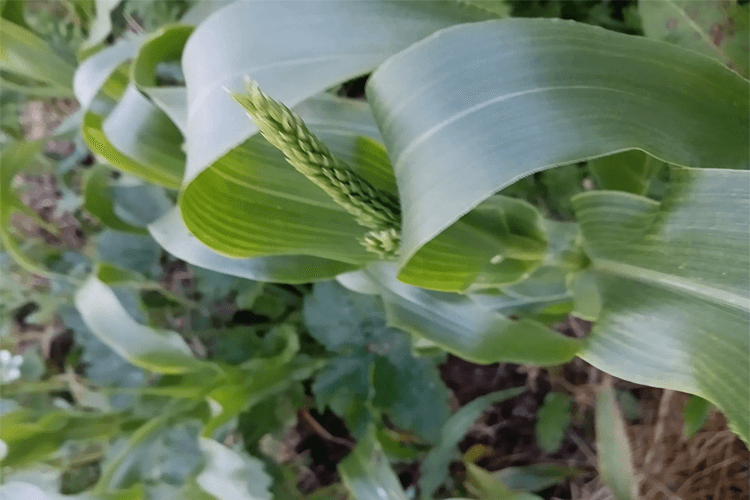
(674, 283)
(724, 57)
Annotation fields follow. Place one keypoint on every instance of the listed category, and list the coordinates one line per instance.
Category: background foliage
(184, 315)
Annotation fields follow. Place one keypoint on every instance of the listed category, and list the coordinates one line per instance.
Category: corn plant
(423, 196)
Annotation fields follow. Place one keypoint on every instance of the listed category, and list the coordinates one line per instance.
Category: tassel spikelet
(284, 129)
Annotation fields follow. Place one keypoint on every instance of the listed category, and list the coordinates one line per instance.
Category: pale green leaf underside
(474, 330)
(101, 26)
(614, 456)
(155, 350)
(367, 474)
(229, 475)
(318, 45)
(473, 108)
(674, 281)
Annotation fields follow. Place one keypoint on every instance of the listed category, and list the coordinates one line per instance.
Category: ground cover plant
(314, 249)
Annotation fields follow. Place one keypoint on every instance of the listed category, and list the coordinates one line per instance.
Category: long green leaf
(25, 54)
(478, 331)
(31, 437)
(475, 107)
(229, 475)
(144, 133)
(172, 234)
(134, 136)
(249, 211)
(435, 465)
(166, 45)
(717, 29)
(674, 282)
(367, 474)
(613, 447)
(92, 75)
(159, 351)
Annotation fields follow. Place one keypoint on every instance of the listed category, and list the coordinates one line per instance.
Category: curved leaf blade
(674, 282)
(367, 474)
(477, 331)
(166, 45)
(172, 234)
(615, 460)
(436, 462)
(319, 43)
(717, 29)
(144, 347)
(546, 93)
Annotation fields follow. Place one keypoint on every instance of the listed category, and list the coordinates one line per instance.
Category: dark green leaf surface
(695, 413)
(136, 252)
(627, 171)
(98, 201)
(375, 365)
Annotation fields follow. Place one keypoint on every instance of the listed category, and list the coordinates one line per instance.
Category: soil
(712, 465)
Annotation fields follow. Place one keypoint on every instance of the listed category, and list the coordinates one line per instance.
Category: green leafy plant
(499, 176)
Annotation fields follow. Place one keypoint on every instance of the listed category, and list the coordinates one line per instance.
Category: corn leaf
(477, 330)
(435, 465)
(546, 93)
(367, 474)
(25, 54)
(158, 351)
(717, 29)
(164, 46)
(674, 282)
(613, 447)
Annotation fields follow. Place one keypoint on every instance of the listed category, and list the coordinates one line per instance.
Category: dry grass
(712, 465)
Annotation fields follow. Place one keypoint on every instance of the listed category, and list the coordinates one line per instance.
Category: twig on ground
(319, 429)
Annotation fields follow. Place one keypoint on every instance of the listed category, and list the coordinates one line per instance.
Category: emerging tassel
(285, 129)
